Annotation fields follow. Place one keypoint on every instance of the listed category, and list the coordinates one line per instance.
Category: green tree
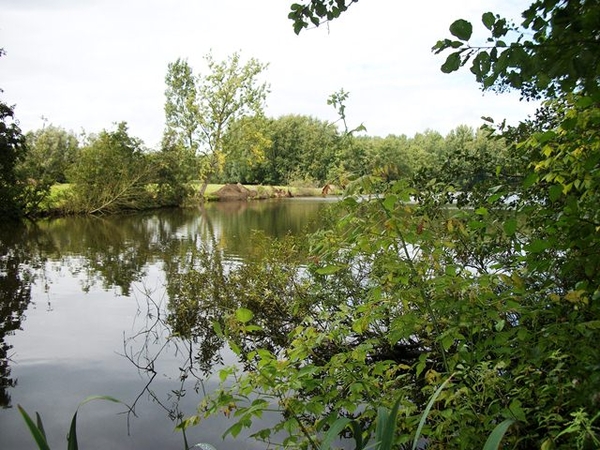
(181, 106)
(499, 300)
(247, 142)
(200, 109)
(111, 173)
(176, 167)
(51, 151)
(13, 149)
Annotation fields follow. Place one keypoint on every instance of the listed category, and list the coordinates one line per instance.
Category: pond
(79, 299)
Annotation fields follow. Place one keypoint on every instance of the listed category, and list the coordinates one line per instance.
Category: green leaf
(495, 438)
(432, 400)
(584, 102)
(357, 433)
(72, 436)
(107, 398)
(530, 180)
(537, 246)
(243, 315)
(328, 270)
(234, 429)
(386, 426)
(462, 29)
(452, 63)
(488, 20)
(510, 226)
(592, 324)
(333, 432)
(555, 192)
(37, 434)
(389, 202)
(40, 425)
(217, 328)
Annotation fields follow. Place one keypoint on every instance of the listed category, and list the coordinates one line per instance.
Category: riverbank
(57, 203)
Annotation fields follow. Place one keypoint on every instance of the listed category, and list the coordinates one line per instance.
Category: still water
(79, 303)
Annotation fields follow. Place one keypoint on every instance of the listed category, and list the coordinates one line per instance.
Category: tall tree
(201, 108)
(181, 106)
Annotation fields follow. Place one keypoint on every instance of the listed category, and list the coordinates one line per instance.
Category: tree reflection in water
(19, 252)
(204, 289)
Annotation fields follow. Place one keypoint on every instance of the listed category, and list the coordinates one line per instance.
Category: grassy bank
(57, 202)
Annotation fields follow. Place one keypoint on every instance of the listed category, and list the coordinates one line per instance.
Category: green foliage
(50, 152)
(12, 151)
(112, 173)
(552, 52)
(316, 12)
(248, 143)
(400, 298)
(175, 169)
(200, 109)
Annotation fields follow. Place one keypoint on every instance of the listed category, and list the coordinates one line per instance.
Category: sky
(85, 65)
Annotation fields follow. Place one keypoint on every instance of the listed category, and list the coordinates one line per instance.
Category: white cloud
(87, 64)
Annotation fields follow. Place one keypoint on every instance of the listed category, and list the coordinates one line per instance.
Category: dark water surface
(78, 293)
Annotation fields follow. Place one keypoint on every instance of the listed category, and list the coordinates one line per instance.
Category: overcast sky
(86, 64)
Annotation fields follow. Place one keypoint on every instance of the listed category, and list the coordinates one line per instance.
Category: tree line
(216, 132)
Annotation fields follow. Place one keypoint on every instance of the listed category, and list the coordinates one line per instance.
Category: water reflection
(95, 274)
(21, 250)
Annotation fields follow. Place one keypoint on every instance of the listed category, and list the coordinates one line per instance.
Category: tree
(51, 151)
(181, 106)
(112, 173)
(247, 142)
(493, 307)
(200, 109)
(176, 167)
(12, 151)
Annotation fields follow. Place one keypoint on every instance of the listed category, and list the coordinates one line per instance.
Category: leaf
(592, 324)
(234, 430)
(72, 436)
(530, 180)
(554, 192)
(333, 432)
(386, 427)
(495, 438)
(389, 202)
(328, 270)
(452, 63)
(434, 397)
(358, 435)
(37, 434)
(510, 226)
(40, 425)
(217, 328)
(462, 29)
(243, 315)
(108, 398)
(537, 246)
(488, 20)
